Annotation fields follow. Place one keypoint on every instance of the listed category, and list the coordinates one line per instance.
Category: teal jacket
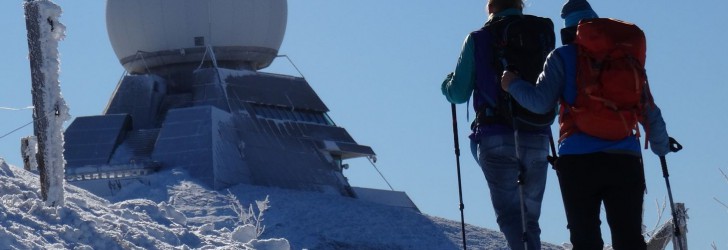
(476, 75)
(459, 88)
(472, 71)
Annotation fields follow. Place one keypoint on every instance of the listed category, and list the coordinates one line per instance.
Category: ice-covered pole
(29, 150)
(50, 110)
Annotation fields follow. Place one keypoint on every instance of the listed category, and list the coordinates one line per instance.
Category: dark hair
(500, 5)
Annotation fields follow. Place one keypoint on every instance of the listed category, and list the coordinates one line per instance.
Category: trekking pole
(457, 161)
(674, 147)
(521, 184)
(521, 168)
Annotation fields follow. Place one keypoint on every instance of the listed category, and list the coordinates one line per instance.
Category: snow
(171, 210)
(90, 222)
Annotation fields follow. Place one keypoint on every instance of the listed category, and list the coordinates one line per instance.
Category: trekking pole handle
(663, 162)
(455, 129)
(674, 145)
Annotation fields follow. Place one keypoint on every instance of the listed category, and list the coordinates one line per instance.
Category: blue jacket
(475, 68)
(559, 80)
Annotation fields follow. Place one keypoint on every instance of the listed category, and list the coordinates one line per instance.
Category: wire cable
(16, 109)
(371, 160)
(14, 130)
(21, 127)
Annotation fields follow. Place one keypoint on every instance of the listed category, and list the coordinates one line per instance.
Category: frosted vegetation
(90, 222)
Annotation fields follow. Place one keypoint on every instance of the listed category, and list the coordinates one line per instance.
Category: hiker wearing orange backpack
(598, 80)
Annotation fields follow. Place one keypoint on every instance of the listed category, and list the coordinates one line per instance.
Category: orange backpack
(611, 81)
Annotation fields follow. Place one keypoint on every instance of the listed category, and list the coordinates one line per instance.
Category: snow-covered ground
(170, 210)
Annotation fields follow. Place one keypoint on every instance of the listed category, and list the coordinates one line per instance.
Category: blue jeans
(497, 158)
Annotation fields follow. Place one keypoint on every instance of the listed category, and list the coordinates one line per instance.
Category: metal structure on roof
(194, 99)
(224, 126)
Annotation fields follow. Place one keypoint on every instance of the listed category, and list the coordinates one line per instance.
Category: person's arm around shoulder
(459, 85)
(542, 97)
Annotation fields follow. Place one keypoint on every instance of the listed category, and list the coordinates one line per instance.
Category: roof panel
(276, 90)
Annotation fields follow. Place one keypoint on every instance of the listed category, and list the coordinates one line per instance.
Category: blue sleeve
(460, 87)
(543, 96)
(656, 130)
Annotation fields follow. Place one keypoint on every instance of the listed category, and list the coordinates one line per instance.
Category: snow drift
(169, 210)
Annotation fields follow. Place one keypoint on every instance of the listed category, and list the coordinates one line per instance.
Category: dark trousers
(617, 180)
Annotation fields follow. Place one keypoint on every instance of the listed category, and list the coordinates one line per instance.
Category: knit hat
(576, 10)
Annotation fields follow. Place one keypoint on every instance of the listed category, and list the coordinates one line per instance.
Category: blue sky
(378, 65)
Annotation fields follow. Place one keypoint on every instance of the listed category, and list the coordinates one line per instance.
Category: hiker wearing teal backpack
(509, 142)
(599, 83)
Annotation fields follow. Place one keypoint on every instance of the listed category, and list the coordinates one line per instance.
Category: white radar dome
(150, 33)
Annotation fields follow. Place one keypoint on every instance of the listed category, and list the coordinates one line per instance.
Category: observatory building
(193, 98)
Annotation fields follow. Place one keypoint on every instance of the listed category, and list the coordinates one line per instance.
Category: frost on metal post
(44, 33)
(29, 149)
(666, 233)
